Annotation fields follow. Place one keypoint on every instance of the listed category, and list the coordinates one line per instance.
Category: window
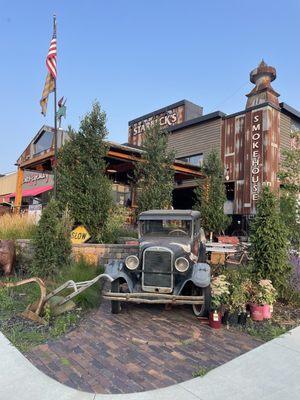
(44, 142)
(166, 227)
(196, 159)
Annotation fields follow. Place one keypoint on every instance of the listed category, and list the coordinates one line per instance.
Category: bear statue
(7, 257)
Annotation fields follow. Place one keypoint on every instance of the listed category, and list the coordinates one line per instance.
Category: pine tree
(290, 168)
(269, 244)
(154, 174)
(51, 242)
(290, 190)
(290, 214)
(82, 183)
(210, 196)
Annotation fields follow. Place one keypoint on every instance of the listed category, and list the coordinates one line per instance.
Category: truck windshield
(165, 227)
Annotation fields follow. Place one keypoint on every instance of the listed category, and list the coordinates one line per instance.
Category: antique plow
(35, 310)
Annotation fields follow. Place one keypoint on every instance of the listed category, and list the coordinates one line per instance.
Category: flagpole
(55, 126)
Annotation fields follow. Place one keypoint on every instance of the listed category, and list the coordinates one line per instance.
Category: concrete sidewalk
(269, 372)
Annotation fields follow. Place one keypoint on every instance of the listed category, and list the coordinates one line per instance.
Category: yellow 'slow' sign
(79, 235)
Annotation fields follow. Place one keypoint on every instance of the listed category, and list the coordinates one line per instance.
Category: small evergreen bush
(114, 225)
(210, 196)
(51, 243)
(154, 174)
(82, 185)
(269, 244)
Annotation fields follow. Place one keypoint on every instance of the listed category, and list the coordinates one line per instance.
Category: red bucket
(215, 319)
(257, 313)
(267, 311)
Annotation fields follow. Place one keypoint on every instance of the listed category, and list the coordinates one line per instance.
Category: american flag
(51, 57)
(52, 72)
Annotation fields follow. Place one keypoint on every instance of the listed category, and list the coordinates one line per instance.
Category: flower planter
(256, 312)
(215, 319)
(242, 318)
(233, 318)
(267, 311)
(225, 317)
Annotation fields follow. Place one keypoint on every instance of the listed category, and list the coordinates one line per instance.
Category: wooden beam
(18, 199)
(187, 170)
(122, 156)
(35, 160)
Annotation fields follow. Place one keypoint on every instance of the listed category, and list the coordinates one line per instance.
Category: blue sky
(136, 56)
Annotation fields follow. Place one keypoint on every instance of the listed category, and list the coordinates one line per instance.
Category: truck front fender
(116, 269)
(201, 275)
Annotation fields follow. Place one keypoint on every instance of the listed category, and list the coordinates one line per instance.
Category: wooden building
(7, 186)
(249, 142)
(35, 166)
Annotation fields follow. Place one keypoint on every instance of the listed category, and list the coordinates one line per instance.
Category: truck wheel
(115, 304)
(202, 310)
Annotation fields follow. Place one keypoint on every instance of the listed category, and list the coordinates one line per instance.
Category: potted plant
(237, 304)
(235, 312)
(256, 301)
(268, 297)
(219, 296)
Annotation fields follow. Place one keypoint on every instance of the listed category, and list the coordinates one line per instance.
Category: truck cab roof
(169, 214)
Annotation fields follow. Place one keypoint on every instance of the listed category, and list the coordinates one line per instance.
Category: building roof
(163, 109)
(198, 120)
(285, 108)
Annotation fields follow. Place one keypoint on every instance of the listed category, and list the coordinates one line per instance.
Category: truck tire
(115, 304)
(202, 310)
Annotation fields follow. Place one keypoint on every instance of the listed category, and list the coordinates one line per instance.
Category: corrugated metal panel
(196, 139)
(8, 183)
(285, 130)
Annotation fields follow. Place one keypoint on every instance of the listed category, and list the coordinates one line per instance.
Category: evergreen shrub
(269, 243)
(51, 242)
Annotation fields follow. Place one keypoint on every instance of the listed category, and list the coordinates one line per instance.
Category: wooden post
(18, 199)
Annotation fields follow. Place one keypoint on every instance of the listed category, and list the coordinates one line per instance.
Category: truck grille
(157, 268)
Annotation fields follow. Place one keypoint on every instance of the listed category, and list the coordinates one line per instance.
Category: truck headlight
(182, 264)
(132, 262)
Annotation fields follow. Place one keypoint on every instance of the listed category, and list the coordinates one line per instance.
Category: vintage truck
(169, 267)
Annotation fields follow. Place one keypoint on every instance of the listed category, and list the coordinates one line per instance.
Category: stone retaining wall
(92, 253)
(102, 253)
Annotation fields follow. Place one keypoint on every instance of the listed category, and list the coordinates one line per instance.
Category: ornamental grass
(16, 226)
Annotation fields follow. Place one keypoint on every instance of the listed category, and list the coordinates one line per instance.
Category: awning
(33, 192)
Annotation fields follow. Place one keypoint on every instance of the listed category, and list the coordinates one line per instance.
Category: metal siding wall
(285, 130)
(196, 139)
(271, 147)
(8, 183)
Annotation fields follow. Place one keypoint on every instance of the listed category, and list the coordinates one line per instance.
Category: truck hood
(179, 246)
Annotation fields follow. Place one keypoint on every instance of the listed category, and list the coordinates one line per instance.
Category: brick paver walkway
(143, 348)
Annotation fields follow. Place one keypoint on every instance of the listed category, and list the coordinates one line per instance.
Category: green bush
(81, 271)
(51, 243)
(82, 184)
(210, 196)
(154, 174)
(115, 226)
(269, 244)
